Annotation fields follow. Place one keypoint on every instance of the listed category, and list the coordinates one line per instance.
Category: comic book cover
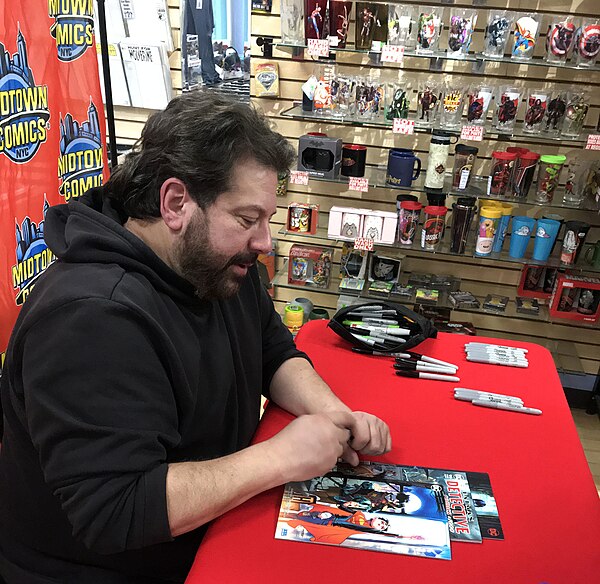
(395, 517)
(485, 505)
(455, 493)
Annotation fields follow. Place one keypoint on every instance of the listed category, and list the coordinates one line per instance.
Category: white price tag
(364, 244)
(464, 177)
(402, 126)
(318, 47)
(358, 183)
(392, 54)
(593, 142)
(474, 133)
(299, 177)
(127, 9)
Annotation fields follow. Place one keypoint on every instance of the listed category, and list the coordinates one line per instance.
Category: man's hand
(370, 435)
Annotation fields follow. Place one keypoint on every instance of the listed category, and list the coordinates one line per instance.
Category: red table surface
(546, 497)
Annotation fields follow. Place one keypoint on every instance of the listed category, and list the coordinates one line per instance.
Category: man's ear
(174, 203)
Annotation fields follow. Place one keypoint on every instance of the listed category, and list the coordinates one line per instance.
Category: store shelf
(469, 58)
(376, 176)
(443, 251)
(296, 112)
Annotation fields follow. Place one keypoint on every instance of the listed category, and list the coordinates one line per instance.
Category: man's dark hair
(199, 138)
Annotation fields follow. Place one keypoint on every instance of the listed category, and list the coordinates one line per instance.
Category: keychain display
(505, 116)
(429, 28)
(526, 30)
(497, 33)
(587, 43)
(560, 38)
(537, 103)
(460, 32)
(575, 114)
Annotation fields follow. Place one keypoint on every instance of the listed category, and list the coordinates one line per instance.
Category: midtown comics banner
(52, 133)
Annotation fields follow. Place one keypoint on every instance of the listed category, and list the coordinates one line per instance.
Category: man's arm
(297, 388)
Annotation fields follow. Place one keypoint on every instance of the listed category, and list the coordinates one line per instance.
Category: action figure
(316, 13)
(427, 102)
(556, 112)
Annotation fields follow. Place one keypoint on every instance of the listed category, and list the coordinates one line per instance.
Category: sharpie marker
(371, 312)
(470, 398)
(373, 320)
(378, 353)
(493, 361)
(368, 307)
(432, 360)
(496, 347)
(507, 407)
(388, 330)
(370, 342)
(423, 367)
(474, 394)
(434, 376)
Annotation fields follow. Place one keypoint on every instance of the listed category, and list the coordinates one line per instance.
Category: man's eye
(249, 221)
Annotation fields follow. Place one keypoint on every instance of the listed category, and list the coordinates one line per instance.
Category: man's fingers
(350, 456)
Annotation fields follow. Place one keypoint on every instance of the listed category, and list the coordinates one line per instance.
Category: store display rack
(296, 112)
(478, 188)
(443, 251)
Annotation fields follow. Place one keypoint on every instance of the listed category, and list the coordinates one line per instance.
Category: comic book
(454, 494)
(485, 505)
(366, 513)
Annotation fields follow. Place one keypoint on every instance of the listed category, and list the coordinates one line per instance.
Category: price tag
(299, 177)
(593, 142)
(392, 54)
(359, 183)
(318, 47)
(474, 133)
(364, 244)
(127, 9)
(464, 177)
(402, 126)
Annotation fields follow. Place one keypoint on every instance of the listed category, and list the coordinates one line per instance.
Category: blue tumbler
(545, 236)
(522, 228)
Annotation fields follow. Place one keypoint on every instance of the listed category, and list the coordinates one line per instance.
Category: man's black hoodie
(115, 369)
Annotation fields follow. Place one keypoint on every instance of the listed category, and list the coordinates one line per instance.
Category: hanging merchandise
(560, 38)
(292, 22)
(555, 112)
(577, 106)
(402, 28)
(480, 97)
(437, 160)
(507, 105)
(266, 76)
(460, 32)
(587, 43)
(428, 99)
(52, 134)
(497, 33)
(451, 104)
(526, 30)
(537, 103)
(429, 28)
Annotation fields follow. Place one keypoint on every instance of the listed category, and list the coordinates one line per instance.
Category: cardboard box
(348, 223)
(576, 298)
(302, 218)
(310, 265)
(320, 156)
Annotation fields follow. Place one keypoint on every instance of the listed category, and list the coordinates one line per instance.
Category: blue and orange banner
(52, 133)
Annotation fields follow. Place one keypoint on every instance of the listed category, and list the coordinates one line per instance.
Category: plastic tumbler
(549, 174)
(545, 236)
(433, 227)
(408, 220)
(488, 222)
(464, 159)
(522, 228)
(502, 170)
(523, 173)
(506, 209)
(462, 216)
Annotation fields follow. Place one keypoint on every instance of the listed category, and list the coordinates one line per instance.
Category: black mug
(354, 158)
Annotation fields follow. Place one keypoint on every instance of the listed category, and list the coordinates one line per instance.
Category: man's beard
(208, 271)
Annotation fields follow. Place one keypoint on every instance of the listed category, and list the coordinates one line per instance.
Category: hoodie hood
(90, 230)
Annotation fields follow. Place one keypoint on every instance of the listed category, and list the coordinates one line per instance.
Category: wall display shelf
(376, 176)
(297, 112)
(473, 57)
(443, 251)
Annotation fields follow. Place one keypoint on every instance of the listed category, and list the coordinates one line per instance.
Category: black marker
(420, 375)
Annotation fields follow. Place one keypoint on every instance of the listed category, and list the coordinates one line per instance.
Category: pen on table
(496, 346)
(420, 375)
(424, 367)
(472, 394)
(431, 360)
(470, 398)
(363, 351)
(371, 342)
(497, 362)
(507, 407)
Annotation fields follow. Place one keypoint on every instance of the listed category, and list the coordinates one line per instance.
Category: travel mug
(464, 159)
(408, 220)
(462, 216)
(506, 209)
(433, 227)
(488, 223)
(354, 158)
(435, 199)
(523, 173)
(592, 255)
(573, 240)
(439, 149)
(548, 176)
(522, 228)
(502, 169)
(401, 169)
(545, 236)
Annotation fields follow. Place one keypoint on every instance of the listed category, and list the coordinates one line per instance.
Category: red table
(548, 504)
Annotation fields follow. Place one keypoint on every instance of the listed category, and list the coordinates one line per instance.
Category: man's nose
(262, 241)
